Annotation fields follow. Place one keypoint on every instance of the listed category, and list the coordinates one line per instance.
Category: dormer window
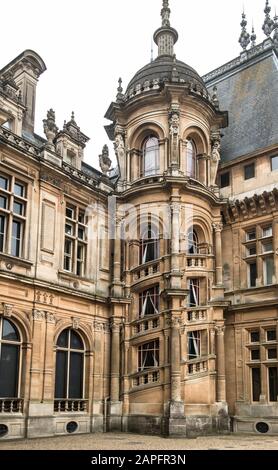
(70, 158)
(150, 162)
(191, 159)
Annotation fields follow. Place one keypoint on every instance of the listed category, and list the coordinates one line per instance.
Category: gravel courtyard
(138, 442)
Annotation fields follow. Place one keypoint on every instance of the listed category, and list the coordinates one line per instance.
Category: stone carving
(174, 123)
(50, 129)
(50, 317)
(215, 159)
(7, 309)
(44, 297)
(104, 160)
(268, 22)
(75, 323)
(165, 14)
(218, 227)
(38, 315)
(244, 39)
(120, 150)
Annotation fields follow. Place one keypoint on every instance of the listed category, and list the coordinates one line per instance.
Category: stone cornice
(251, 207)
(245, 59)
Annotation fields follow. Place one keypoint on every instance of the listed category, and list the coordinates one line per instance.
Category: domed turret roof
(163, 68)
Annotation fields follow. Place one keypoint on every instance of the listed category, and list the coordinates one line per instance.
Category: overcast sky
(88, 44)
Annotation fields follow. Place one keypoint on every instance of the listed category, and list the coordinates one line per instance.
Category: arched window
(69, 366)
(149, 244)
(191, 159)
(150, 156)
(10, 345)
(192, 242)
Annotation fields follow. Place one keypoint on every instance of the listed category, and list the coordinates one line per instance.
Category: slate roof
(162, 68)
(248, 90)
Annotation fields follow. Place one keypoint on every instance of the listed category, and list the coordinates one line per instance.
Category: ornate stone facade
(141, 298)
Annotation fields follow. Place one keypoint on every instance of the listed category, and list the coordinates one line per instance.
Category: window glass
(225, 180)
(274, 163)
(9, 332)
(249, 171)
(151, 156)
(19, 190)
(271, 335)
(194, 345)
(267, 231)
(191, 159)
(256, 383)
(3, 183)
(255, 336)
(252, 274)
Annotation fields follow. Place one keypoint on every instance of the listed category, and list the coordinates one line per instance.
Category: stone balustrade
(145, 378)
(70, 406)
(197, 315)
(11, 405)
(197, 367)
(146, 270)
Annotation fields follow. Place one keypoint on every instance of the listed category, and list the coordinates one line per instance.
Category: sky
(88, 44)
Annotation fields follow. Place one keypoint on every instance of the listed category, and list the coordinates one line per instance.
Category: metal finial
(72, 116)
(253, 37)
(165, 13)
(268, 25)
(244, 38)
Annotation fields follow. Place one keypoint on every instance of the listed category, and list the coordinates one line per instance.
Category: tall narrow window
(13, 204)
(149, 245)
(194, 292)
(256, 383)
(273, 383)
(69, 366)
(191, 159)
(9, 359)
(192, 242)
(148, 356)
(150, 156)
(75, 240)
(268, 265)
(149, 302)
(252, 274)
(194, 344)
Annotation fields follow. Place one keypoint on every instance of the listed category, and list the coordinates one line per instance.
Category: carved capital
(175, 322)
(115, 326)
(50, 317)
(219, 329)
(38, 315)
(175, 208)
(218, 227)
(7, 309)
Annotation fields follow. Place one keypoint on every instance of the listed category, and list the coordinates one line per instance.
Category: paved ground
(137, 442)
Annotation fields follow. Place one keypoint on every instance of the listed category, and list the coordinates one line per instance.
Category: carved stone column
(175, 209)
(117, 284)
(115, 405)
(218, 254)
(175, 360)
(115, 361)
(220, 363)
(202, 167)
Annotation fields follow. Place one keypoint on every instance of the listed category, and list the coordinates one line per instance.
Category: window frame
(69, 350)
(12, 217)
(248, 166)
(71, 237)
(18, 344)
(146, 152)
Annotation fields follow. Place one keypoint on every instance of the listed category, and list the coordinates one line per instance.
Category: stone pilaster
(218, 227)
(220, 363)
